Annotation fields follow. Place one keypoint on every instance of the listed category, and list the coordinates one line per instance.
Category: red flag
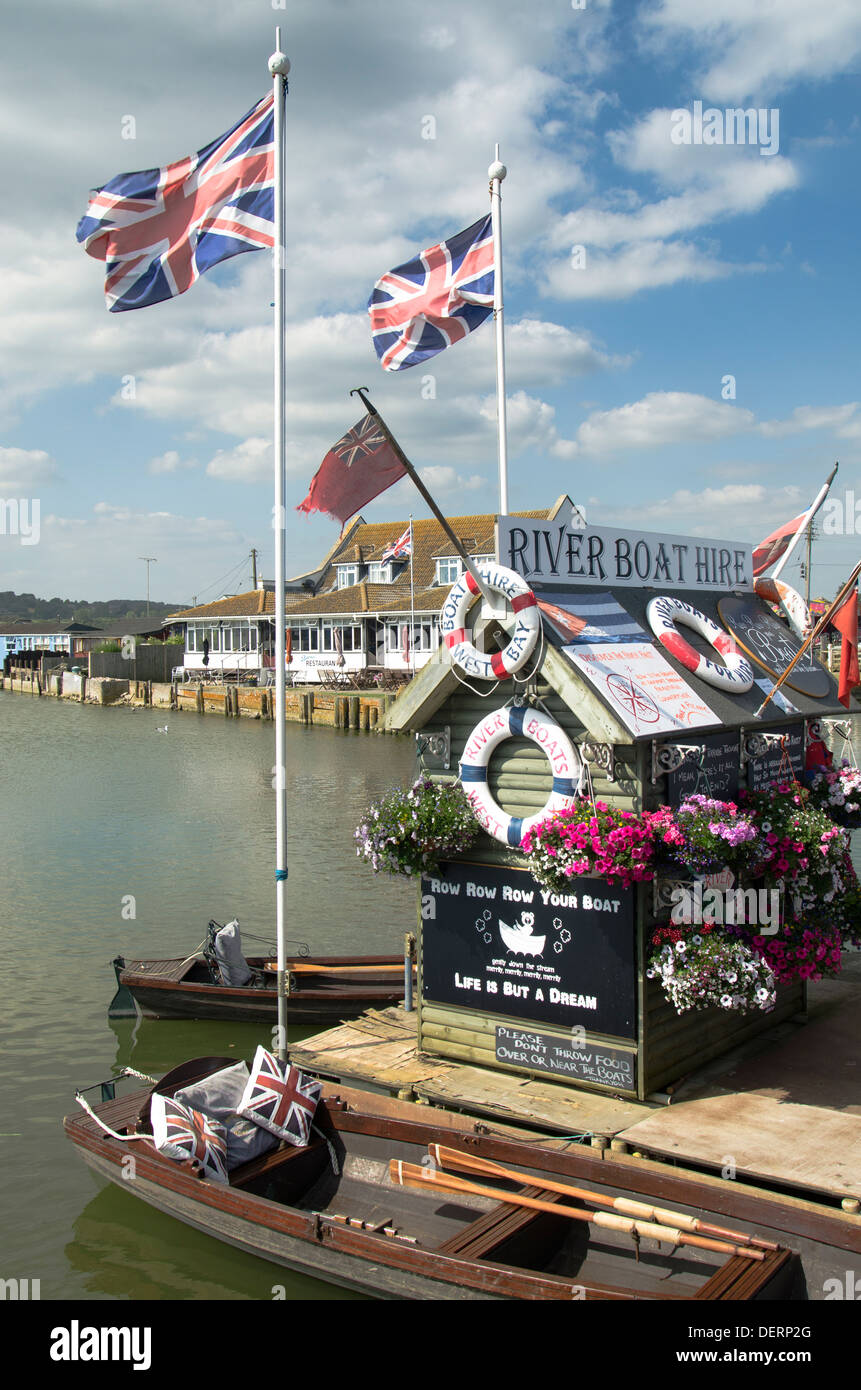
(846, 622)
(288, 646)
(769, 551)
(359, 467)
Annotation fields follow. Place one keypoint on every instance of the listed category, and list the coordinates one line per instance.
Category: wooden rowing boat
(323, 989)
(360, 1229)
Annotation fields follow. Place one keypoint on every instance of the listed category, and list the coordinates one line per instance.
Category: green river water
(95, 806)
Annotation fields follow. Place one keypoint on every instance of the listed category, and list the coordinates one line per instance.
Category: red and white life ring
(526, 628)
(506, 723)
(664, 613)
(789, 601)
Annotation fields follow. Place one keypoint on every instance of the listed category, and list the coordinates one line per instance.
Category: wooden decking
(783, 1111)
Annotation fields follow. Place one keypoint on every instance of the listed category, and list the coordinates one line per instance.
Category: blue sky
(702, 261)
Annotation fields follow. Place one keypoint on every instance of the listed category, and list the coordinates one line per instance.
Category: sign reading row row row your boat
(543, 551)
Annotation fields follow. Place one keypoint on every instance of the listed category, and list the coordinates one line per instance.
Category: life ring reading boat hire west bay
(526, 626)
(664, 613)
(512, 722)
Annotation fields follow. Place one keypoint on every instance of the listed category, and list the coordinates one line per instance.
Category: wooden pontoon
(323, 989)
(359, 1229)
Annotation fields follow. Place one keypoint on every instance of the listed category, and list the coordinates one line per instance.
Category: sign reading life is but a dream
(493, 940)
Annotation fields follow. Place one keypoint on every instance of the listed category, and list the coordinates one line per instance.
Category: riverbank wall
(304, 705)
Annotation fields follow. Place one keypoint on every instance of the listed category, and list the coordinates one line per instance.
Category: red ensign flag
(846, 622)
(359, 467)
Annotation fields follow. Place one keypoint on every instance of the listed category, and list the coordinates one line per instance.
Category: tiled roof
(363, 543)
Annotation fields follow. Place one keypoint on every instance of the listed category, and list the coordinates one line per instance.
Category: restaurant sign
(545, 551)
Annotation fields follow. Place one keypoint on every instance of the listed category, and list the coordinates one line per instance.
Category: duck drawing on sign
(519, 938)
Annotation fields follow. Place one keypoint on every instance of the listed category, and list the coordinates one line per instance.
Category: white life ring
(789, 601)
(512, 722)
(664, 613)
(526, 628)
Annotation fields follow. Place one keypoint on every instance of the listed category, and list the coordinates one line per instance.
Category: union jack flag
(397, 549)
(421, 307)
(280, 1098)
(181, 1132)
(158, 230)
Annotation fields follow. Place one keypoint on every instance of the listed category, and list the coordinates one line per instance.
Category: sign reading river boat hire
(546, 551)
(493, 940)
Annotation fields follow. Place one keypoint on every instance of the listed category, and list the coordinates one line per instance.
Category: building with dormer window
(357, 613)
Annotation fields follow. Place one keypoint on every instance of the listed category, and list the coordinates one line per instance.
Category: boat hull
(536, 1259)
(324, 990)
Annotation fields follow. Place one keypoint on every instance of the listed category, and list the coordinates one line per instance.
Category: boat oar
(411, 1175)
(470, 1163)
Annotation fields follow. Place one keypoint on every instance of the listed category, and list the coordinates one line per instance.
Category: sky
(681, 311)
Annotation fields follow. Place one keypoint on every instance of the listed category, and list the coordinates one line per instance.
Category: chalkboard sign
(600, 1064)
(763, 772)
(714, 771)
(772, 644)
(493, 940)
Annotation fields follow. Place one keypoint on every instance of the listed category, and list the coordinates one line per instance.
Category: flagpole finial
(497, 169)
(279, 63)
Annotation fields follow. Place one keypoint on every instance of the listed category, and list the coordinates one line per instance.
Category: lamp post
(148, 560)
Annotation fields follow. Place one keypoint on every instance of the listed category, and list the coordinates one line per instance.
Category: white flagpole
(412, 602)
(279, 67)
(805, 522)
(496, 173)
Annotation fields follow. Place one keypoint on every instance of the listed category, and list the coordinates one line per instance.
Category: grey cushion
(235, 970)
(218, 1096)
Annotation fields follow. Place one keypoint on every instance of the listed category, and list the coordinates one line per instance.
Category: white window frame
(380, 572)
(447, 562)
(348, 576)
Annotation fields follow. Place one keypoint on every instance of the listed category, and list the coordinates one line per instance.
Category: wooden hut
(555, 987)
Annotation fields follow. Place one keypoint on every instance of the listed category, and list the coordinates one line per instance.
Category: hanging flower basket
(584, 839)
(702, 969)
(408, 832)
(706, 835)
(837, 793)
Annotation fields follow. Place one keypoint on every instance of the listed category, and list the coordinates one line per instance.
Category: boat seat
(255, 1168)
(498, 1227)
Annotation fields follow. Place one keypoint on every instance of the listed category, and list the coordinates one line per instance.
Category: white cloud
(745, 510)
(813, 417)
(250, 462)
(170, 462)
(646, 265)
(186, 549)
(753, 51)
(660, 418)
(633, 244)
(681, 417)
(22, 470)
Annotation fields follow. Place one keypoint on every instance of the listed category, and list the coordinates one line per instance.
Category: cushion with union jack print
(181, 1132)
(280, 1098)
